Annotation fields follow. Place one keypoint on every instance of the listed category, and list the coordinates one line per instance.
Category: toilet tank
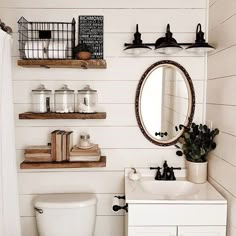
(65, 214)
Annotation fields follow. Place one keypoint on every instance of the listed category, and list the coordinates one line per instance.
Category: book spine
(69, 144)
(59, 146)
(53, 144)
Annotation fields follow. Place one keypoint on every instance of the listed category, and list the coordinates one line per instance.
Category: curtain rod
(5, 28)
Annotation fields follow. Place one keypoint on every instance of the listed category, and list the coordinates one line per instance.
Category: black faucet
(168, 172)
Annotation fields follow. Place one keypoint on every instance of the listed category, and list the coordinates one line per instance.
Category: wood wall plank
(222, 91)
(135, 67)
(222, 117)
(222, 36)
(223, 173)
(217, 16)
(113, 117)
(104, 4)
(108, 91)
(119, 159)
(104, 205)
(219, 68)
(71, 182)
(116, 20)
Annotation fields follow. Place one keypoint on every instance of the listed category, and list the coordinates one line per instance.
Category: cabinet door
(152, 231)
(202, 231)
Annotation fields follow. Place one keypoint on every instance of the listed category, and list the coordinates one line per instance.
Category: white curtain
(10, 221)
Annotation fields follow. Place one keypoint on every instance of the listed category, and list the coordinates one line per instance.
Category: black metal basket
(46, 40)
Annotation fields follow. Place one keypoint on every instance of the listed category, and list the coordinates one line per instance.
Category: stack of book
(90, 154)
(38, 154)
(61, 144)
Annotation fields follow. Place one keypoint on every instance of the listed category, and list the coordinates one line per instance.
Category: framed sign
(91, 33)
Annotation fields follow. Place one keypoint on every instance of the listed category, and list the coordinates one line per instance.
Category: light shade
(167, 45)
(137, 47)
(200, 45)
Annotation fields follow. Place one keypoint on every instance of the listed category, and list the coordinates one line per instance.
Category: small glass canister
(84, 141)
(87, 100)
(41, 99)
(64, 100)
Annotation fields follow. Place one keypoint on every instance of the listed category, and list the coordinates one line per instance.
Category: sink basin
(151, 191)
(170, 189)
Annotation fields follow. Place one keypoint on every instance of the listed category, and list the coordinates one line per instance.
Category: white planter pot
(196, 172)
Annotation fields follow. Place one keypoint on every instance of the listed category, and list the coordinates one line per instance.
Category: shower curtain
(9, 210)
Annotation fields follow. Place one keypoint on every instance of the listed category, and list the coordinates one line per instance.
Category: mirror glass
(164, 100)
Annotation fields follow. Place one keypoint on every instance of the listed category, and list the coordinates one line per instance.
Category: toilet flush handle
(40, 211)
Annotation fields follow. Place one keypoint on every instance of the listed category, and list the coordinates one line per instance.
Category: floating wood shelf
(53, 165)
(84, 64)
(53, 115)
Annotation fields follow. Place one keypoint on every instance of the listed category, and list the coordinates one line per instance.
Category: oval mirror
(165, 100)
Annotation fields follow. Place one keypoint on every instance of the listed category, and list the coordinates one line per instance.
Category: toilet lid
(65, 200)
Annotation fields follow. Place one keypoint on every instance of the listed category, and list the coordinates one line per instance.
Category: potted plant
(195, 144)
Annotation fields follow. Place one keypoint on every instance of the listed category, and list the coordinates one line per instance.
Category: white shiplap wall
(119, 137)
(221, 102)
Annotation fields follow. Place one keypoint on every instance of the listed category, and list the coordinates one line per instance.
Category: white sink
(149, 190)
(170, 189)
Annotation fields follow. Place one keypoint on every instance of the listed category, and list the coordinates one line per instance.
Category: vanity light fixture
(168, 45)
(137, 47)
(200, 44)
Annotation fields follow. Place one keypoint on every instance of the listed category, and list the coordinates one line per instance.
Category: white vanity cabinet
(176, 219)
(202, 230)
(173, 208)
(178, 231)
(151, 231)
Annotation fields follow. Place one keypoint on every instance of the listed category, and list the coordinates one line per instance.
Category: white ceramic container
(196, 172)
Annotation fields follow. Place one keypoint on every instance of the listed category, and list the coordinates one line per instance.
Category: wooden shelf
(53, 115)
(53, 165)
(83, 64)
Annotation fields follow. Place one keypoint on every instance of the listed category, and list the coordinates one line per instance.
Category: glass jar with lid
(64, 100)
(87, 99)
(41, 99)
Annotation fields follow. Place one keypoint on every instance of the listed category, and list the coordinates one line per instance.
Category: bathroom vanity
(173, 208)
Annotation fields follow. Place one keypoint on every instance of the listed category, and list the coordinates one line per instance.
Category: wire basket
(46, 40)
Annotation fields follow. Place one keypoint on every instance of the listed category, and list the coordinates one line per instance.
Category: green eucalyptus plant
(196, 142)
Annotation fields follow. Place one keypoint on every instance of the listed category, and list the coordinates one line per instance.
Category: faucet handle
(172, 174)
(158, 174)
(155, 168)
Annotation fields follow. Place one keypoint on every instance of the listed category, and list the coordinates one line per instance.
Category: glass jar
(84, 140)
(87, 100)
(41, 99)
(64, 100)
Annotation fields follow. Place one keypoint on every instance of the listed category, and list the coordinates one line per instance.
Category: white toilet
(66, 214)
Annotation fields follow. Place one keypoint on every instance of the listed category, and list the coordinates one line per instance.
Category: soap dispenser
(134, 175)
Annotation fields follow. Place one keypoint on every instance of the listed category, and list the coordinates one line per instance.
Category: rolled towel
(36, 49)
(57, 50)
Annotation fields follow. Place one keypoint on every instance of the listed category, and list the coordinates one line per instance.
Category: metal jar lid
(87, 89)
(85, 136)
(41, 89)
(64, 89)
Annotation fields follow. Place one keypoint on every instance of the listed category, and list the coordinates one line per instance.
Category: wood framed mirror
(164, 101)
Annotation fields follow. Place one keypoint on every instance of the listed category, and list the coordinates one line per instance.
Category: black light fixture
(167, 45)
(200, 44)
(137, 47)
